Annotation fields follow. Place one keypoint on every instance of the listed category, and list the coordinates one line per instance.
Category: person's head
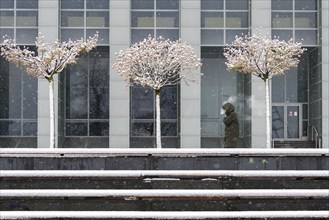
(228, 108)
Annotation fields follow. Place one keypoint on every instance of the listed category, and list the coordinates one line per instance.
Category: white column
(325, 73)
(260, 18)
(190, 95)
(119, 93)
(48, 26)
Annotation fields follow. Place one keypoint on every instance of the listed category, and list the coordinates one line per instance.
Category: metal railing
(316, 137)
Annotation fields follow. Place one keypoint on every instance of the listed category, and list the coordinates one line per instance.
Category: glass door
(286, 122)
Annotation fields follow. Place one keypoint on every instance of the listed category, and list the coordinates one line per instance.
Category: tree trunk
(158, 119)
(268, 113)
(52, 113)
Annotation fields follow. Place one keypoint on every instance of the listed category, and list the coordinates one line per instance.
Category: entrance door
(286, 122)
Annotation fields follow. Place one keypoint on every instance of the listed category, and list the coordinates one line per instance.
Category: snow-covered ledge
(193, 152)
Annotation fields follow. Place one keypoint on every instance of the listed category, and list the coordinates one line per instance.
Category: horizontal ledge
(161, 215)
(186, 152)
(141, 174)
(164, 193)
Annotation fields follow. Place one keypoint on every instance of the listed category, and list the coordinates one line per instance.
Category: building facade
(94, 108)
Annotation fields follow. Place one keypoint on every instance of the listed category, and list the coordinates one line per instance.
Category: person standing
(231, 126)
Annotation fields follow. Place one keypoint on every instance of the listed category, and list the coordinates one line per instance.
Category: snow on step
(161, 215)
(167, 194)
(164, 173)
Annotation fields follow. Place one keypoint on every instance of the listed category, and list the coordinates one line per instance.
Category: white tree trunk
(52, 113)
(268, 113)
(158, 119)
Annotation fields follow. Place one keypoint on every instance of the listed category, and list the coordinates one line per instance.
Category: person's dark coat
(231, 126)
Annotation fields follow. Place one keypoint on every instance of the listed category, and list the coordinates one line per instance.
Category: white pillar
(190, 95)
(325, 73)
(260, 18)
(48, 26)
(119, 93)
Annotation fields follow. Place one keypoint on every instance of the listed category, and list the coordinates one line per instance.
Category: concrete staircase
(164, 184)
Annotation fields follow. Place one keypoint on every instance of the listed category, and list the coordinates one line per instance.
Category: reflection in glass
(10, 128)
(30, 129)
(76, 129)
(6, 4)
(142, 103)
(212, 37)
(306, 20)
(308, 37)
(99, 129)
(277, 122)
(71, 34)
(143, 129)
(237, 4)
(26, 35)
(139, 34)
(171, 34)
(292, 122)
(306, 4)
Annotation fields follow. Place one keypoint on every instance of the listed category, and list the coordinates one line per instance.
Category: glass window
(99, 4)
(83, 18)
(7, 19)
(6, 4)
(306, 4)
(142, 4)
(27, 4)
(167, 4)
(167, 19)
(212, 19)
(212, 37)
(282, 20)
(217, 87)
(237, 19)
(282, 4)
(18, 103)
(72, 4)
(97, 19)
(212, 4)
(305, 20)
(237, 4)
(87, 95)
(27, 19)
(142, 19)
(160, 21)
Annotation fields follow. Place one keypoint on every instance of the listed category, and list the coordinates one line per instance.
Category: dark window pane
(30, 129)
(306, 4)
(167, 4)
(237, 4)
(99, 4)
(10, 128)
(103, 35)
(171, 34)
(142, 103)
(212, 37)
(282, 4)
(99, 129)
(307, 37)
(9, 32)
(77, 90)
(72, 4)
(277, 122)
(212, 4)
(278, 89)
(142, 4)
(140, 34)
(27, 4)
(30, 97)
(6, 4)
(169, 129)
(99, 87)
(168, 102)
(285, 35)
(71, 34)
(26, 35)
(143, 129)
(76, 129)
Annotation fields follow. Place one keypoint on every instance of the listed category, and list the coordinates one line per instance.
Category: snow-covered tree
(156, 63)
(51, 59)
(263, 57)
